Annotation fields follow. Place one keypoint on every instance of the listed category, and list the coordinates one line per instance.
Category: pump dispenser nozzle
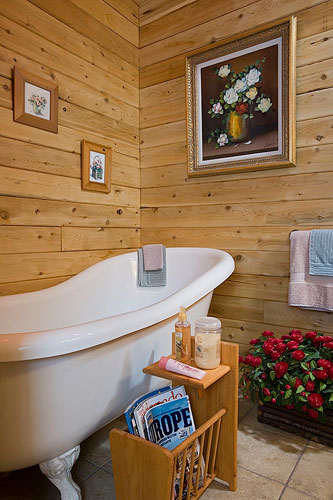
(182, 314)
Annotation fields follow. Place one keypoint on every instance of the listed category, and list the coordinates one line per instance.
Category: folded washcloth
(152, 257)
(306, 291)
(151, 278)
(321, 252)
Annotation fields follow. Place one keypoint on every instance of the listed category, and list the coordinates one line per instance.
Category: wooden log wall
(248, 214)
(49, 228)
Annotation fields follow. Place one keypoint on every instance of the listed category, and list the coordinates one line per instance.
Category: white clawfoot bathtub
(71, 355)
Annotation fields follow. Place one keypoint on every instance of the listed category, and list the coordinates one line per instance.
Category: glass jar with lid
(207, 354)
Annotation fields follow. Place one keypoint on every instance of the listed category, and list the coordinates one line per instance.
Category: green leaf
(246, 115)
(312, 377)
(304, 366)
(300, 388)
(209, 139)
(272, 374)
(321, 409)
(331, 398)
(322, 386)
(288, 393)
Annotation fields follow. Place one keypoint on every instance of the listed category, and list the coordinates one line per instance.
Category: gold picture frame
(35, 101)
(240, 97)
(96, 167)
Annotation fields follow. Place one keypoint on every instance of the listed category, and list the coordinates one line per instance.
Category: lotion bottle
(183, 327)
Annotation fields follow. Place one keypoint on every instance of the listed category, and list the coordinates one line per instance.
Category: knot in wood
(4, 215)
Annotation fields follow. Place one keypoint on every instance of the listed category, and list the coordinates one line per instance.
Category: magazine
(129, 412)
(187, 471)
(169, 424)
(163, 397)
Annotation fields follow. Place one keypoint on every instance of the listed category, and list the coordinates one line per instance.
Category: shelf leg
(222, 394)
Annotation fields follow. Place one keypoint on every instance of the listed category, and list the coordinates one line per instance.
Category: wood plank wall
(248, 214)
(49, 228)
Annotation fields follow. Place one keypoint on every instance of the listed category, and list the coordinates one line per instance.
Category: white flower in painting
(217, 108)
(264, 104)
(222, 140)
(240, 85)
(230, 96)
(224, 71)
(251, 93)
(253, 76)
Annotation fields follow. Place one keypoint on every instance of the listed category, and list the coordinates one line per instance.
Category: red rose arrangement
(294, 371)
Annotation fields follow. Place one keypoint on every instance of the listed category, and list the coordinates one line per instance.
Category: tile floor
(272, 465)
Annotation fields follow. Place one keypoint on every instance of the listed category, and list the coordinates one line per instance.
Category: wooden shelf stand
(146, 471)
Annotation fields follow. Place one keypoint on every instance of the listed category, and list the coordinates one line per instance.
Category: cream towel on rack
(306, 291)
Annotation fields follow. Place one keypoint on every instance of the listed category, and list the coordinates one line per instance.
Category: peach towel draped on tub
(152, 257)
(305, 290)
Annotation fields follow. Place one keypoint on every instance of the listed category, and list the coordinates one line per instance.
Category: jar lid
(208, 323)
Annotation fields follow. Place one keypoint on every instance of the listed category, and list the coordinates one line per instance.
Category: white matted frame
(96, 167)
(35, 101)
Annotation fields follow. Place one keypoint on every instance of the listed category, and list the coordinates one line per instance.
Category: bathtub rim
(61, 341)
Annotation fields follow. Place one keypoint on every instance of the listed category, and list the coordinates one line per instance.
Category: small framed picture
(96, 167)
(35, 101)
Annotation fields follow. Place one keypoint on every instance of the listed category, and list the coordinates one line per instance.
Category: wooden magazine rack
(146, 471)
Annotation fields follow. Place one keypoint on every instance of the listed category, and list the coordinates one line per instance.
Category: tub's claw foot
(58, 471)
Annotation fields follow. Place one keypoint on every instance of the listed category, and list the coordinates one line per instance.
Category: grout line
(246, 414)
(98, 468)
(293, 469)
(261, 475)
(276, 432)
(304, 492)
(86, 478)
(94, 464)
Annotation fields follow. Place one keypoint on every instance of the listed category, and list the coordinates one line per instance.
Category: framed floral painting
(35, 101)
(241, 102)
(96, 167)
